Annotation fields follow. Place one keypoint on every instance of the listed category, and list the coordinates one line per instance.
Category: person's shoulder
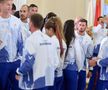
(105, 40)
(15, 19)
(46, 36)
(88, 37)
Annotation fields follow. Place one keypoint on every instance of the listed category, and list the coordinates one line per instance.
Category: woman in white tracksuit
(54, 29)
(70, 71)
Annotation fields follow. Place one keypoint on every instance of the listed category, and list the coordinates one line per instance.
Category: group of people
(39, 53)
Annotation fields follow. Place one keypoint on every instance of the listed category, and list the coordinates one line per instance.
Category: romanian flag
(97, 11)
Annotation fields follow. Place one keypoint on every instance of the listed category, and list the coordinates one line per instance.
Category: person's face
(6, 6)
(24, 13)
(33, 10)
(13, 11)
(82, 27)
(49, 32)
(101, 20)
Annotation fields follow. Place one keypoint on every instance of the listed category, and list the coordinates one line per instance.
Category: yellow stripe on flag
(106, 1)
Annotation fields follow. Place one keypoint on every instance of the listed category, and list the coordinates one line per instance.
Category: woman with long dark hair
(70, 64)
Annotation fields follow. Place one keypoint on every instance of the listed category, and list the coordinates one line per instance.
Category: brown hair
(1, 1)
(37, 20)
(56, 24)
(83, 20)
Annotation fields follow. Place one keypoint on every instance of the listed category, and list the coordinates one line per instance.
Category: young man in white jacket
(10, 37)
(40, 59)
(87, 51)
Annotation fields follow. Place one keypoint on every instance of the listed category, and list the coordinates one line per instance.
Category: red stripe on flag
(97, 12)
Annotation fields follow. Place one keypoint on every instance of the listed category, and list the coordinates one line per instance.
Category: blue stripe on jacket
(27, 71)
(104, 62)
(4, 56)
(27, 65)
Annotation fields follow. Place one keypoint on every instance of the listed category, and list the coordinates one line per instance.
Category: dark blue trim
(104, 62)
(96, 50)
(4, 56)
(39, 83)
(27, 65)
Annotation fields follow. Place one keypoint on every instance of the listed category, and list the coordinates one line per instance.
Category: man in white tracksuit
(41, 60)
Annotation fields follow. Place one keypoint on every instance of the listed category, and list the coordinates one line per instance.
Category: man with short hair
(87, 51)
(33, 9)
(24, 12)
(11, 43)
(40, 59)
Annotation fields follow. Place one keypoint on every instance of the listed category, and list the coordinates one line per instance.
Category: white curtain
(91, 12)
(19, 3)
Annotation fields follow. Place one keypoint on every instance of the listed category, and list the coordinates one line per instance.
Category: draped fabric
(19, 3)
(91, 12)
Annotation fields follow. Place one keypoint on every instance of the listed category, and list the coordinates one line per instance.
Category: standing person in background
(48, 16)
(40, 59)
(99, 33)
(102, 61)
(13, 45)
(76, 22)
(53, 28)
(33, 9)
(106, 21)
(24, 12)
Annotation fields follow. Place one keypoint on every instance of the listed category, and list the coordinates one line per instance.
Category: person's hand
(89, 31)
(92, 63)
(17, 77)
(89, 74)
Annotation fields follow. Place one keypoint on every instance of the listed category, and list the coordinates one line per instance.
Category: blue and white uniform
(25, 31)
(13, 26)
(59, 71)
(103, 64)
(71, 63)
(11, 36)
(40, 62)
(94, 79)
(87, 51)
(99, 34)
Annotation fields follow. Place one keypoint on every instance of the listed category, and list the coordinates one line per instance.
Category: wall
(65, 9)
